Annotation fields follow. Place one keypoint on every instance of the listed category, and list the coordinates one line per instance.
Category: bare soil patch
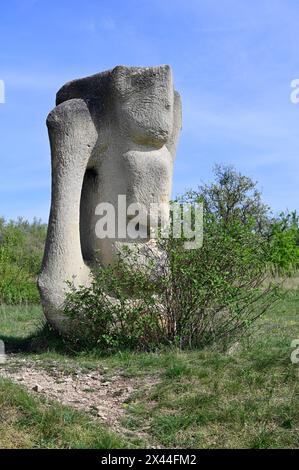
(102, 395)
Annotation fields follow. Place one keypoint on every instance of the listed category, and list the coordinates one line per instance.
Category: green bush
(21, 251)
(233, 196)
(284, 244)
(188, 298)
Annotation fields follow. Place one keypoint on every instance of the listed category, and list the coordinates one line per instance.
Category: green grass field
(246, 397)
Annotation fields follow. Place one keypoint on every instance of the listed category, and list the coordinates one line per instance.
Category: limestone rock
(114, 133)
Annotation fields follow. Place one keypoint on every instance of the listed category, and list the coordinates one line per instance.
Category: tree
(232, 196)
(284, 243)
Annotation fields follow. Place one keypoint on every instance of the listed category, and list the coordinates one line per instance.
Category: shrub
(284, 244)
(21, 251)
(188, 298)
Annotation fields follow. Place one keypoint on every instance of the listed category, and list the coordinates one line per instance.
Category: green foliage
(284, 244)
(187, 298)
(21, 251)
(109, 313)
(235, 197)
(232, 196)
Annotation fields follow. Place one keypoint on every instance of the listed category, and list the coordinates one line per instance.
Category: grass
(28, 422)
(244, 398)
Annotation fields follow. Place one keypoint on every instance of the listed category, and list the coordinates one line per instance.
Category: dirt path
(102, 396)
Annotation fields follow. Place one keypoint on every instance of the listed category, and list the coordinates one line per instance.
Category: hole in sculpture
(89, 198)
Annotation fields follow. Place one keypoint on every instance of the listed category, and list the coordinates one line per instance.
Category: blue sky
(233, 62)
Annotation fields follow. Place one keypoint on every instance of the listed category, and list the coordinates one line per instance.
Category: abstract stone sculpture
(113, 133)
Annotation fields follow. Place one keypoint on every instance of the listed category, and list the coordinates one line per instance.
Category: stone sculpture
(113, 133)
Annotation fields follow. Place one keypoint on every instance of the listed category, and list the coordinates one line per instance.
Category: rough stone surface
(113, 133)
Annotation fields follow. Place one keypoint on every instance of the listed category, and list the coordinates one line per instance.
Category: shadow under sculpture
(113, 133)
